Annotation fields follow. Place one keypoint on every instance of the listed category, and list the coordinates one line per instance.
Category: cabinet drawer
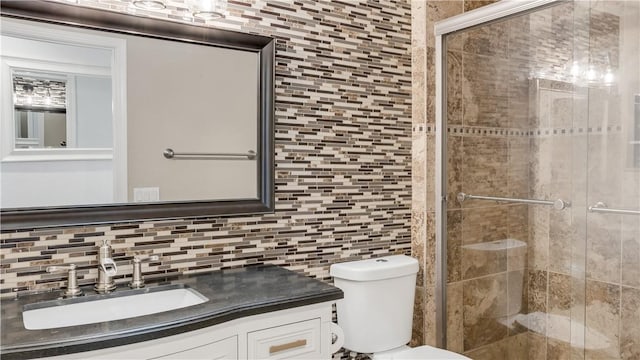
(226, 349)
(300, 340)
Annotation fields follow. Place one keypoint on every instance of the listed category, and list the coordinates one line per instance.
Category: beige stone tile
(558, 304)
(454, 41)
(484, 304)
(488, 39)
(418, 85)
(562, 108)
(431, 110)
(440, 10)
(485, 168)
(518, 221)
(418, 201)
(603, 315)
(540, 167)
(418, 239)
(480, 225)
(605, 158)
(558, 350)
(519, 38)
(561, 236)
(475, 4)
(430, 251)
(561, 167)
(537, 291)
(517, 296)
(454, 87)
(430, 330)
(430, 163)
(454, 245)
(630, 188)
(537, 347)
(455, 164)
(493, 351)
(418, 23)
(455, 325)
(604, 233)
(485, 91)
(418, 170)
(631, 251)
(518, 167)
(431, 72)
(417, 333)
(518, 346)
(538, 249)
(630, 324)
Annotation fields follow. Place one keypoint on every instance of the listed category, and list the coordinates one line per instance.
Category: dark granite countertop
(232, 293)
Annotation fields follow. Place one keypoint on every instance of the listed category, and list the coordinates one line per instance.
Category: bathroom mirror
(109, 117)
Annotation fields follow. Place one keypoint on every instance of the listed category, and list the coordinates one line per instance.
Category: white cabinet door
(226, 349)
(300, 340)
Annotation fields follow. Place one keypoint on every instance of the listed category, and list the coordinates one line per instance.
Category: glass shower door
(540, 108)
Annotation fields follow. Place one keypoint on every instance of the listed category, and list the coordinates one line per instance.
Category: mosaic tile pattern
(343, 156)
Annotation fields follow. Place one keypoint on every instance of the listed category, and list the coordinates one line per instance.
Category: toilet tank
(377, 310)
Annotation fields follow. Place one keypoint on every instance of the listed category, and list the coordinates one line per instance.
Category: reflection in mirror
(62, 110)
(88, 116)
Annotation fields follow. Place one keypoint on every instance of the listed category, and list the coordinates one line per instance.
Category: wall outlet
(146, 194)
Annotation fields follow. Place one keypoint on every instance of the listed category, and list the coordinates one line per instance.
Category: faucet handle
(73, 289)
(141, 258)
(137, 281)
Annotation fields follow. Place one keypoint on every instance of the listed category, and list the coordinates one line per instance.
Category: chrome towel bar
(170, 154)
(601, 207)
(557, 204)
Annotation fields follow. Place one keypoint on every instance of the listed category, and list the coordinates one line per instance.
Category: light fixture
(28, 89)
(149, 4)
(207, 9)
(47, 99)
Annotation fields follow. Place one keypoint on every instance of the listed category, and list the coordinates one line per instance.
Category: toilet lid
(428, 352)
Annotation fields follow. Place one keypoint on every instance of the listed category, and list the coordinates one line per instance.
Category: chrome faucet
(137, 281)
(106, 269)
(73, 289)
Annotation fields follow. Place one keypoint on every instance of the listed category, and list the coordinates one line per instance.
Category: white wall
(219, 117)
(93, 112)
(55, 183)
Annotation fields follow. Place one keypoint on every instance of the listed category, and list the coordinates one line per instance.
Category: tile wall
(518, 127)
(342, 158)
(424, 15)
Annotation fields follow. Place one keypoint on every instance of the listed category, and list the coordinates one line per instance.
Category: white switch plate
(146, 194)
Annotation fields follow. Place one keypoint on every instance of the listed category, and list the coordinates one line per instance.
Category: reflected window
(61, 110)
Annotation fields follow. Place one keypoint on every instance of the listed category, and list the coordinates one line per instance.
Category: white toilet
(377, 310)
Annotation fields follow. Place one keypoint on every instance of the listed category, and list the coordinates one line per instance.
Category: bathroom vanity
(260, 312)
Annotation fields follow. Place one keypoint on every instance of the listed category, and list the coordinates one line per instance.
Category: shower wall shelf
(557, 204)
(601, 207)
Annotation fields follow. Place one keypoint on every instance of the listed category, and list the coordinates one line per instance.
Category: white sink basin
(101, 308)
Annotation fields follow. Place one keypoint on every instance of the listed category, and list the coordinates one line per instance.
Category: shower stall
(538, 180)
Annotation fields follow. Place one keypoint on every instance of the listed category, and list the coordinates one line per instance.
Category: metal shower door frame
(480, 16)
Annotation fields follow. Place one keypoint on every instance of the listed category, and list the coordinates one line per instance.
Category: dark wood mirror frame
(94, 19)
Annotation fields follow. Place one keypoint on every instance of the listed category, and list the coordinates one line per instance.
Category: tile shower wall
(424, 14)
(514, 133)
(342, 157)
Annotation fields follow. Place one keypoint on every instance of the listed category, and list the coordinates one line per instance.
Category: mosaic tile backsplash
(342, 157)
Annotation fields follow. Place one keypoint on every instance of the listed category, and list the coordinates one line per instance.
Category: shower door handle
(601, 207)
